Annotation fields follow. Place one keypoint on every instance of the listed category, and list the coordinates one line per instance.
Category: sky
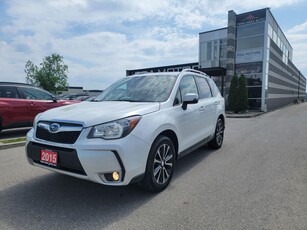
(100, 39)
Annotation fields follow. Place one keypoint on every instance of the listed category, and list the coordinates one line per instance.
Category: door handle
(202, 109)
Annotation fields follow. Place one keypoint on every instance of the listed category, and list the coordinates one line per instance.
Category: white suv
(133, 132)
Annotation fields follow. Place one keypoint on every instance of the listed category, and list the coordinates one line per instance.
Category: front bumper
(93, 159)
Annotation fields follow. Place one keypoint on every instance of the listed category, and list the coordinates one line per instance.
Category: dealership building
(254, 45)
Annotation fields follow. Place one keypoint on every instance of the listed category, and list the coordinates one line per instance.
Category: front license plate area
(49, 157)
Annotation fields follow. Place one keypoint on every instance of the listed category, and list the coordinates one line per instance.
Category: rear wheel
(160, 165)
(217, 141)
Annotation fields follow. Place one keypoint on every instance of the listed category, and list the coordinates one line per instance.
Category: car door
(208, 106)
(37, 101)
(188, 121)
(13, 109)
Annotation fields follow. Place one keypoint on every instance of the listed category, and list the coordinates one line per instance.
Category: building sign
(171, 68)
(251, 17)
(251, 55)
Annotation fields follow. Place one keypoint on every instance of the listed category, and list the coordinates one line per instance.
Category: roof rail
(194, 71)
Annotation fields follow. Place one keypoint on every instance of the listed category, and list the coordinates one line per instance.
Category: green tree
(51, 75)
(243, 96)
(238, 98)
(233, 94)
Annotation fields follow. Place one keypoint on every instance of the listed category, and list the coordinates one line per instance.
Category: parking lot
(257, 180)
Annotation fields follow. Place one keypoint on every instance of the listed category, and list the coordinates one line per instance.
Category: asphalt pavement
(257, 180)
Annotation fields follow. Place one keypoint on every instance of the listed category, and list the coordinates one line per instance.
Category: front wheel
(160, 165)
(218, 138)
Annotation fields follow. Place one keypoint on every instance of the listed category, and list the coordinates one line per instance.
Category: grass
(11, 141)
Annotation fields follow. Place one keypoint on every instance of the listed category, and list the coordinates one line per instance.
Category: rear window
(9, 92)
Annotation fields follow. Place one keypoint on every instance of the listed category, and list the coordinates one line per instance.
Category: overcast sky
(100, 39)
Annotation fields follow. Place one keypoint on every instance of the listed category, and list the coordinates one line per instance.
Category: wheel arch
(173, 137)
(221, 116)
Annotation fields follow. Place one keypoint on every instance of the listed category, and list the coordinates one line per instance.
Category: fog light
(115, 176)
(110, 177)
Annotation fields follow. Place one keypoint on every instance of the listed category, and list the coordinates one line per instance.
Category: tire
(160, 165)
(218, 138)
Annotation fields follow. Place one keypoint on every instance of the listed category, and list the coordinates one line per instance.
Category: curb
(13, 145)
(255, 114)
(243, 115)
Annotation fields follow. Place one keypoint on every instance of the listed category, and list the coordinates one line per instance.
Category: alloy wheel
(163, 164)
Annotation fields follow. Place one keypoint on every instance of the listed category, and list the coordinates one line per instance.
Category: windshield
(145, 88)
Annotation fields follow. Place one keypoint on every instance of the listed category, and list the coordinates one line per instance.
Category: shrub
(238, 98)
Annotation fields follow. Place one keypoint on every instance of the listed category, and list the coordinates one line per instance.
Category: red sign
(49, 157)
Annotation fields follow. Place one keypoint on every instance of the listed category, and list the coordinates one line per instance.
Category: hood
(93, 113)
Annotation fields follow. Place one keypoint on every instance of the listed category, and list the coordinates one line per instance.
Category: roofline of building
(210, 31)
(266, 8)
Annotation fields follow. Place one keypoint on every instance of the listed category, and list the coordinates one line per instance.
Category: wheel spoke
(167, 163)
(166, 150)
(157, 170)
(166, 173)
(159, 155)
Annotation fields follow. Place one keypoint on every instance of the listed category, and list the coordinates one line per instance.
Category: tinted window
(203, 88)
(254, 92)
(250, 30)
(215, 91)
(249, 43)
(187, 85)
(9, 92)
(36, 94)
(150, 88)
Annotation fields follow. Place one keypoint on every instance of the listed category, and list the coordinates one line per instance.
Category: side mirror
(54, 99)
(189, 98)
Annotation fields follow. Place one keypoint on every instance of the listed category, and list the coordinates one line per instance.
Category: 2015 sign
(49, 157)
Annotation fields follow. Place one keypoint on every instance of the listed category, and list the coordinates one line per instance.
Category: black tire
(160, 165)
(218, 138)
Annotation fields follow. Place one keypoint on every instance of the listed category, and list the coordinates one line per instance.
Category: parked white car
(133, 132)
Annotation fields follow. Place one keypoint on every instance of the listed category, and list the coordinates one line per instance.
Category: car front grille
(67, 158)
(67, 133)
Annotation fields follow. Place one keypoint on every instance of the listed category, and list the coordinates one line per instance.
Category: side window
(9, 92)
(214, 89)
(178, 98)
(36, 94)
(203, 87)
(187, 85)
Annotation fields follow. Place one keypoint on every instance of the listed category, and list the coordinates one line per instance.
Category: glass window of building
(250, 30)
(254, 92)
(250, 42)
(209, 50)
(270, 31)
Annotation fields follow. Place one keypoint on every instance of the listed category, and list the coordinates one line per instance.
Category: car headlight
(115, 129)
